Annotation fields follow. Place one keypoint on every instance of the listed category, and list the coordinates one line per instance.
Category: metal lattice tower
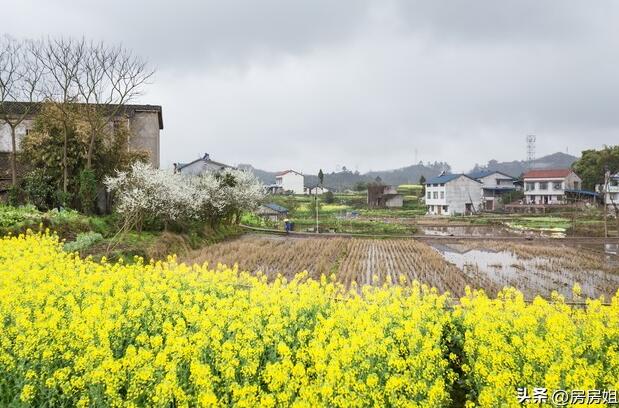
(530, 151)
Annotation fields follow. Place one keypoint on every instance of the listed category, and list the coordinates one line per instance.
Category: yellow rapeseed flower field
(74, 332)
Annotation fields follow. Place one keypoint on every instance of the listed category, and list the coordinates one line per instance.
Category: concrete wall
(395, 201)
(144, 128)
(5, 135)
(199, 167)
(292, 182)
(459, 192)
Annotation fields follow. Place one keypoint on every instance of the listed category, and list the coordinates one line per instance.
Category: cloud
(366, 83)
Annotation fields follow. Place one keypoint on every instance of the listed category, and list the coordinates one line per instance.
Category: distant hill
(517, 167)
(410, 174)
(344, 180)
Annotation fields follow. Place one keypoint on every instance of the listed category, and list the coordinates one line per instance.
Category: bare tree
(109, 78)
(20, 82)
(62, 59)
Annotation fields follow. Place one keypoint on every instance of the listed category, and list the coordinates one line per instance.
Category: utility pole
(604, 190)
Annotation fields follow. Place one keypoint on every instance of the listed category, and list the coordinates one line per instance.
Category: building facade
(144, 123)
(610, 192)
(495, 185)
(288, 181)
(549, 187)
(453, 194)
(380, 196)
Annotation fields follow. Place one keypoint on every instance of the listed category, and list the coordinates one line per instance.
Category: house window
(435, 195)
(543, 185)
(442, 194)
(27, 131)
(576, 185)
(530, 186)
(557, 185)
(429, 194)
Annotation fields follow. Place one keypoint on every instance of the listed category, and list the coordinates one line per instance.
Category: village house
(272, 212)
(453, 194)
(200, 166)
(288, 181)
(610, 192)
(318, 190)
(144, 123)
(549, 187)
(494, 186)
(381, 196)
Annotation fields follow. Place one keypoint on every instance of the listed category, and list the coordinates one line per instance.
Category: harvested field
(354, 262)
(533, 268)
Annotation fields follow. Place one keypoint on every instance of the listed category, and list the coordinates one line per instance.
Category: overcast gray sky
(362, 83)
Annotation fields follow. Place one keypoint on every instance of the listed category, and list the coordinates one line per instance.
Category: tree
(20, 86)
(593, 164)
(147, 194)
(422, 181)
(329, 197)
(44, 149)
(321, 176)
(107, 79)
(62, 59)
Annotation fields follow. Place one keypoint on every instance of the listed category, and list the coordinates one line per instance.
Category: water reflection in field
(536, 268)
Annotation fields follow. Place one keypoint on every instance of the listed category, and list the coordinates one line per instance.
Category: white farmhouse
(548, 187)
(453, 194)
(288, 181)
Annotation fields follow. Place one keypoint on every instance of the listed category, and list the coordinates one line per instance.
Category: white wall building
(548, 187)
(290, 180)
(453, 194)
(610, 192)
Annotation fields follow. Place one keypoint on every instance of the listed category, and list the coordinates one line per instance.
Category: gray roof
(180, 166)
(446, 178)
(33, 108)
(485, 173)
(276, 207)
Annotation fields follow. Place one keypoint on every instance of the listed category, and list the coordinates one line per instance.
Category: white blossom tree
(146, 193)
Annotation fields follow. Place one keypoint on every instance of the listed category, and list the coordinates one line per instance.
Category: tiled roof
(180, 166)
(485, 173)
(32, 108)
(276, 207)
(551, 173)
(281, 173)
(446, 178)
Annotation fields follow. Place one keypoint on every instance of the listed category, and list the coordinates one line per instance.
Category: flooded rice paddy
(537, 268)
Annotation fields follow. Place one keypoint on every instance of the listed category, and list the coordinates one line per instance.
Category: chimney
(206, 156)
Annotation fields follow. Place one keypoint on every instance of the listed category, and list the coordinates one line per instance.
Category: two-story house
(610, 192)
(288, 181)
(548, 187)
(494, 187)
(453, 194)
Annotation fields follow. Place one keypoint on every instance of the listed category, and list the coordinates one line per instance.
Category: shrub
(87, 190)
(83, 241)
(39, 189)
